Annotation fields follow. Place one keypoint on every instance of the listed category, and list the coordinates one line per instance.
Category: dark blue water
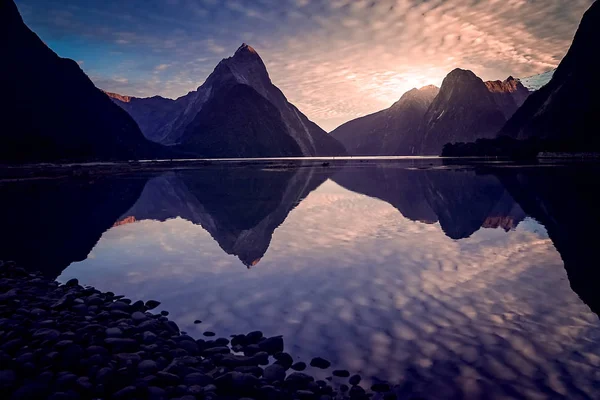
(454, 281)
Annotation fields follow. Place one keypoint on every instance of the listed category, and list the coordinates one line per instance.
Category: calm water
(452, 281)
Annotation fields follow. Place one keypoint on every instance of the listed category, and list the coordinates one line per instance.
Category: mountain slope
(464, 110)
(508, 95)
(566, 109)
(236, 108)
(393, 131)
(53, 111)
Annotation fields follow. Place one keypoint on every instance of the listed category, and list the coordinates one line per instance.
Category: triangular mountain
(237, 112)
(393, 131)
(240, 208)
(566, 111)
(464, 110)
(53, 112)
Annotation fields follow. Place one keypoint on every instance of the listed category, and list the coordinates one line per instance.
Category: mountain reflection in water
(446, 279)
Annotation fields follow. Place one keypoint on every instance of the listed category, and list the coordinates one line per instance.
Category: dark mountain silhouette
(53, 112)
(55, 223)
(566, 109)
(463, 111)
(564, 200)
(394, 131)
(401, 187)
(237, 112)
(461, 200)
(240, 208)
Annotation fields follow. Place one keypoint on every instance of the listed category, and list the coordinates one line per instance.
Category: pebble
(299, 366)
(342, 373)
(320, 363)
(354, 380)
(274, 373)
(71, 342)
(152, 304)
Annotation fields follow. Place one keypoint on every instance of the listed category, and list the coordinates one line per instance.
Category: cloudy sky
(335, 59)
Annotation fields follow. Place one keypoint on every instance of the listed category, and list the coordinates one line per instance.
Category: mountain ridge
(189, 122)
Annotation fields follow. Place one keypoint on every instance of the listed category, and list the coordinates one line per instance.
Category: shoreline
(73, 342)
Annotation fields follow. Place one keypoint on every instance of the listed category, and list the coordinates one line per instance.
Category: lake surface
(453, 281)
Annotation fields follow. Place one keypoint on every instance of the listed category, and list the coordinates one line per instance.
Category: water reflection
(456, 282)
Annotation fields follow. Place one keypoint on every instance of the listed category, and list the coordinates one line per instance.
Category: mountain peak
(245, 49)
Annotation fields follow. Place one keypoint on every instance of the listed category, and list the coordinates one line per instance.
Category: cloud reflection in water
(348, 277)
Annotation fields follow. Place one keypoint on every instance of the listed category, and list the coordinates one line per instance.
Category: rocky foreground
(73, 342)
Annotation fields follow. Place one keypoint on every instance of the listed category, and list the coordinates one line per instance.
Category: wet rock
(320, 363)
(253, 337)
(284, 359)
(380, 387)
(298, 380)
(299, 366)
(114, 332)
(7, 379)
(209, 334)
(147, 367)
(72, 282)
(125, 393)
(152, 304)
(46, 334)
(271, 345)
(138, 317)
(354, 380)
(197, 322)
(342, 373)
(274, 373)
(197, 378)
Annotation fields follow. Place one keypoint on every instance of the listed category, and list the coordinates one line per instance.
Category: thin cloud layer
(335, 59)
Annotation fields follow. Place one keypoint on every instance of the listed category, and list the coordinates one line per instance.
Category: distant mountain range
(237, 112)
(57, 114)
(394, 131)
(423, 120)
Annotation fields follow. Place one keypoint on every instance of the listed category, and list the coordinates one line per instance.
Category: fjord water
(453, 281)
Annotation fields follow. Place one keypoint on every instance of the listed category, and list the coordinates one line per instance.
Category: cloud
(334, 59)
(161, 67)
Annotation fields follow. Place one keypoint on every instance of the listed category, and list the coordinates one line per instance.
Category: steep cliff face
(237, 112)
(565, 110)
(509, 95)
(464, 110)
(67, 118)
(394, 131)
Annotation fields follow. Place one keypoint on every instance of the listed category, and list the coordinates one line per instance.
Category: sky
(335, 60)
